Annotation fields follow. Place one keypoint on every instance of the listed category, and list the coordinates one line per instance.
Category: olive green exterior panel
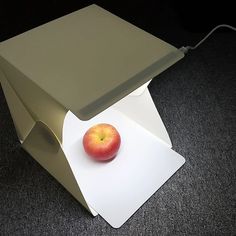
(89, 59)
(34, 103)
(22, 119)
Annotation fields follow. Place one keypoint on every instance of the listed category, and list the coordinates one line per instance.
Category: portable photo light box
(85, 68)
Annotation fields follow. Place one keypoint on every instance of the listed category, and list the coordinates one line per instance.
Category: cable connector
(184, 49)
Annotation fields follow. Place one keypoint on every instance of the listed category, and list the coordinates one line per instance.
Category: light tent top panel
(89, 59)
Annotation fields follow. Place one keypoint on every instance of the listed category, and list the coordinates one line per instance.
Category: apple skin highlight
(102, 142)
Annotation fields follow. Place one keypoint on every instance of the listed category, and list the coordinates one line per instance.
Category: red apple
(102, 142)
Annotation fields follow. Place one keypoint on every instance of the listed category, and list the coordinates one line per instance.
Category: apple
(102, 142)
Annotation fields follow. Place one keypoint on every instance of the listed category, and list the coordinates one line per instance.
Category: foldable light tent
(82, 69)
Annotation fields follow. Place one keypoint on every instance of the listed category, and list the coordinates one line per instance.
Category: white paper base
(118, 188)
